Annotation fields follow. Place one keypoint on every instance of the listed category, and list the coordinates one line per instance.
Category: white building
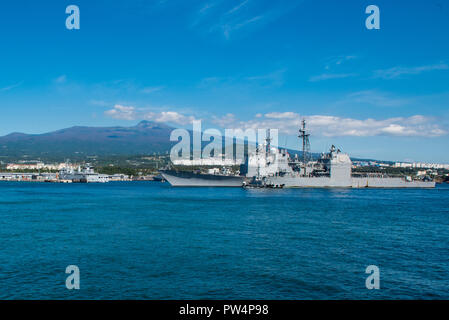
(38, 166)
(421, 165)
(208, 162)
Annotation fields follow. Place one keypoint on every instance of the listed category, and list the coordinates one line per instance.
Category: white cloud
(397, 72)
(330, 126)
(131, 113)
(122, 112)
(169, 116)
(289, 122)
(225, 121)
(279, 115)
(401, 126)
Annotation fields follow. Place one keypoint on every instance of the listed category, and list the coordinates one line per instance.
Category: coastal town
(66, 172)
(438, 171)
(37, 171)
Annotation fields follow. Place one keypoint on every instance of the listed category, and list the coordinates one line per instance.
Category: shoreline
(76, 182)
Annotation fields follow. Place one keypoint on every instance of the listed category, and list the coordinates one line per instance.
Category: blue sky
(235, 63)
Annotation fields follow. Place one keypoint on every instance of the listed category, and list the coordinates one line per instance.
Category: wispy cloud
(376, 98)
(213, 81)
(99, 103)
(338, 60)
(238, 7)
(330, 76)
(229, 17)
(229, 28)
(397, 72)
(10, 87)
(61, 79)
(151, 89)
(120, 87)
(273, 79)
(333, 69)
(206, 7)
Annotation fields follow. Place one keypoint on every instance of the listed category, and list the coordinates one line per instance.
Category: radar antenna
(305, 143)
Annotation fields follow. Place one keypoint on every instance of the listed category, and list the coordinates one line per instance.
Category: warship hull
(191, 179)
(325, 182)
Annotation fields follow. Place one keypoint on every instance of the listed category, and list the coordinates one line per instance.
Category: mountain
(78, 142)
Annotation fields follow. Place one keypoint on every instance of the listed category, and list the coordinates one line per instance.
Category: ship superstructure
(275, 168)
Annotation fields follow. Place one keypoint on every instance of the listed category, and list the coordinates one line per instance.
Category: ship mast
(268, 142)
(305, 142)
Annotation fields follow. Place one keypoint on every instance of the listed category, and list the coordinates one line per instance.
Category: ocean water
(146, 240)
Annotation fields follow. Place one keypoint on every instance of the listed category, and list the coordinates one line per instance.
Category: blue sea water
(146, 240)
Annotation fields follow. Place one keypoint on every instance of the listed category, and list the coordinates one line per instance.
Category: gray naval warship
(271, 167)
(84, 174)
(197, 179)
